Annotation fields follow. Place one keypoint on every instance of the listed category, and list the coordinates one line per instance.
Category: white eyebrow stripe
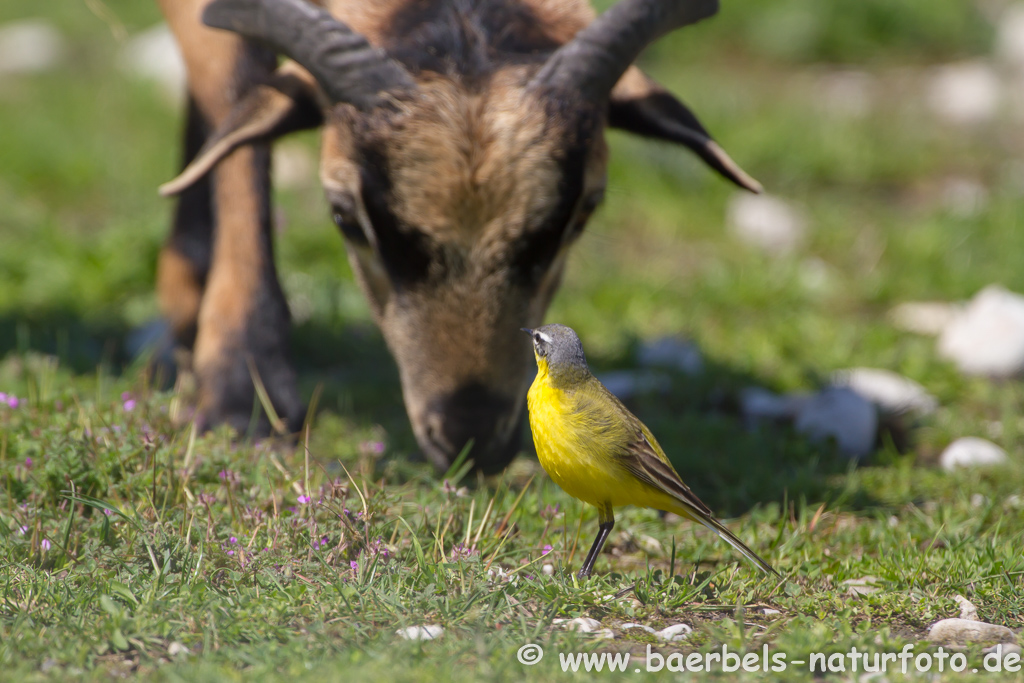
(546, 337)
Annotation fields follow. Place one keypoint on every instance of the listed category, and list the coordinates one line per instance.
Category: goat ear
(640, 105)
(288, 102)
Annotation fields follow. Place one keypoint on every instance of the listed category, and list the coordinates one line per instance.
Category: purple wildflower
(374, 447)
(44, 544)
(231, 552)
(233, 540)
(354, 565)
(304, 499)
(129, 405)
(550, 511)
(13, 401)
(108, 511)
(28, 462)
(23, 530)
(547, 549)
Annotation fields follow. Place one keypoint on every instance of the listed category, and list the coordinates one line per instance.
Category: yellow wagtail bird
(598, 451)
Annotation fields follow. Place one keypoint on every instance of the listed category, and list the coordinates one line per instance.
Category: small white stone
(1014, 502)
(650, 544)
(968, 611)
(924, 317)
(29, 46)
(583, 625)
(628, 383)
(970, 451)
(176, 648)
(846, 93)
(671, 352)
(816, 275)
(862, 586)
(1010, 36)
(988, 337)
(428, 632)
(766, 222)
(893, 394)
(978, 500)
(673, 633)
(770, 611)
(153, 55)
(548, 570)
(294, 166)
(632, 625)
(964, 197)
(965, 93)
(962, 631)
(840, 413)
(1003, 649)
(603, 634)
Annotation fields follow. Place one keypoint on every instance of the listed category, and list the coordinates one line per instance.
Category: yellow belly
(577, 452)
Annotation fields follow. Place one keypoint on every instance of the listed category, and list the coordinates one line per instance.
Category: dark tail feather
(730, 538)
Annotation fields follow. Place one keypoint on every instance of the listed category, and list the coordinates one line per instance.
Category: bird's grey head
(560, 346)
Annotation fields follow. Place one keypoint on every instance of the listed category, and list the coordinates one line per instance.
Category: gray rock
(671, 352)
(987, 338)
(966, 93)
(583, 625)
(674, 633)
(1003, 649)
(892, 394)
(971, 451)
(153, 55)
(29, 46)
(628, 383)
(760, 404)
(643, 627)
(962, 631)
(842, 414)
(766, 222)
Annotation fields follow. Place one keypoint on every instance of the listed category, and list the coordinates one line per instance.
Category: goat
(462, 154)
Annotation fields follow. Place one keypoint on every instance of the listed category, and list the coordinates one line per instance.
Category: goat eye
(344, 215)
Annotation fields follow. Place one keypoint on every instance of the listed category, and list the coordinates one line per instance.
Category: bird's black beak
(527, 330)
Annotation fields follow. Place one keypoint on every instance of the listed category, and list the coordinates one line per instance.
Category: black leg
(607, 522)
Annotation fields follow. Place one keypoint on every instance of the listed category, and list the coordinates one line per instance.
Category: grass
(158, 588)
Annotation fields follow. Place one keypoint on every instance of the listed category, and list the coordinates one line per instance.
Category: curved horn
(343, 62)
(592, 62)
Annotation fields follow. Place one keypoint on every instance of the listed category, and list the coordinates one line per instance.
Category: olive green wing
(645, 460)
(641, 456)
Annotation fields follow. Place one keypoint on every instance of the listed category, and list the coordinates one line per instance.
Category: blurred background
(887, 134)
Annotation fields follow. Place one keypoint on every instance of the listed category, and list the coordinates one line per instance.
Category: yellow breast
(577, 450)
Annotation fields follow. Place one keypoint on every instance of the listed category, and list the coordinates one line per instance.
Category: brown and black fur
(457, 203)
